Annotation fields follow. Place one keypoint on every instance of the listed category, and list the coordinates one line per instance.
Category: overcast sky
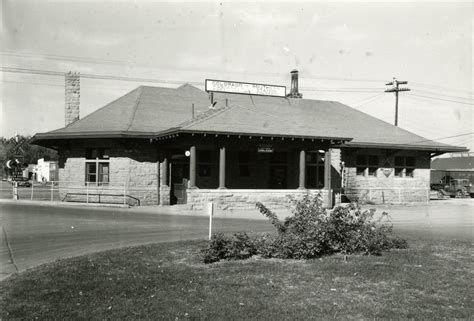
(345, 51)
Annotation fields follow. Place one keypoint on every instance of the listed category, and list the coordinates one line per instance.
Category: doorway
(179, 176)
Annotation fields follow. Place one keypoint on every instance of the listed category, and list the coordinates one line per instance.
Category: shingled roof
(151, 112)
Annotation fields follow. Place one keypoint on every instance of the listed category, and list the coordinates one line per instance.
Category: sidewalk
(398, 212)
(181, 210)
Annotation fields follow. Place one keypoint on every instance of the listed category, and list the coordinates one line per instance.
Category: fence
(69, 191)
(390, 194)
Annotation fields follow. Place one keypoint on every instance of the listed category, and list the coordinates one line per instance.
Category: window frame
(101, 160)
(404, 169)
(367, 165)
(317, 165)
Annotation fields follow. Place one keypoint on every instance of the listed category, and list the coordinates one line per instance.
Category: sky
(344, 50)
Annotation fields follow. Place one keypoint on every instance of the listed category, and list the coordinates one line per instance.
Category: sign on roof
(245, 88)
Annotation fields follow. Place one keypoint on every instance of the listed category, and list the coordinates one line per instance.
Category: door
(278, 177)
(179, 182)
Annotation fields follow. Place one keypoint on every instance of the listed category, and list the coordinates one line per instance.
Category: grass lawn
(431, 280)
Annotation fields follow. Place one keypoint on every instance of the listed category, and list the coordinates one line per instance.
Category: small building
(458, 166)
(188, 146)
(46, 171)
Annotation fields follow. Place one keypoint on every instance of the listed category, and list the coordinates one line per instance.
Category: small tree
(312, 231)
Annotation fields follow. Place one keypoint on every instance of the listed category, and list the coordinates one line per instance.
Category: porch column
(302, 184)
(164, 172)
(327, 175)
(222, 168)
(192, 167)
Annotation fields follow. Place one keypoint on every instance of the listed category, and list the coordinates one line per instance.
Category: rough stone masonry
(72, 97)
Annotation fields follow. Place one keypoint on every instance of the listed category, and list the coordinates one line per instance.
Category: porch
(237, 172)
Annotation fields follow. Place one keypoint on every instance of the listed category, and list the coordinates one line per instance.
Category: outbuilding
(188, 146)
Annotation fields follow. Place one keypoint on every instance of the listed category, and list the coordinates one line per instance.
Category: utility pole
(395, 89)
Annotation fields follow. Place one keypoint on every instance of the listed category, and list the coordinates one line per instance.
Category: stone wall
(133, 170)
(232, 199)
(385, 187)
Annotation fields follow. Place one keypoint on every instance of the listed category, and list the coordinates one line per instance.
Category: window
(204, 163)
(367, 165)
(97, 166)
(244, 164)
(314, 170)
(278, 170)
(404, 166)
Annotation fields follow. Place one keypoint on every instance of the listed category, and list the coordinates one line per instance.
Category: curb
(59, 203)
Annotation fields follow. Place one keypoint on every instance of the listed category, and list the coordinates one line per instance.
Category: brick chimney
(294, 85)
(72, 97)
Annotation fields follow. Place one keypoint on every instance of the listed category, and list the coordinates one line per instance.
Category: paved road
(40, 234)
(36, 234)
(452, 218)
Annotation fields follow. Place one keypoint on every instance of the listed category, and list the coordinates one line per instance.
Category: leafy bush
(217, 248)
(221, 247)
(311, 232)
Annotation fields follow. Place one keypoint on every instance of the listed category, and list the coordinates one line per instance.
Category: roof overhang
(176, 131)
(428, 148)
(41, 137)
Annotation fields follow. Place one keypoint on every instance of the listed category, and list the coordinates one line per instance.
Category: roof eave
(210, 132)
(430, 148)
(96, 134)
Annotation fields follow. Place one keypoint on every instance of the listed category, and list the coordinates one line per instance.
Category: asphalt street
(32, 234)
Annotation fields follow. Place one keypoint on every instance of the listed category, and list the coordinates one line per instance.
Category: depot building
(234, 144)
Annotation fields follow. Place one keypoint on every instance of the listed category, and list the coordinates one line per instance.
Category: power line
(440, 87)
(410, 96)
(449, 100)
(91, 76)
(441, 138)
(122, 62)
(339, 90)
(175, 82)
(367, 100)
(57, 85)
(438, 94)
(148, 80)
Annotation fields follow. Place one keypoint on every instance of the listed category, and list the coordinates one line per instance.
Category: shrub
(240, 247)
(311, 232)
(221, 247)
(216, 249)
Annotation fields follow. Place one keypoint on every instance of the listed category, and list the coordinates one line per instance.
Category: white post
(210, 209)
(32, 184)
(124, 193)
(399, 195)
(52, 186)
(370, 194)
(87, 192)
(15, 190)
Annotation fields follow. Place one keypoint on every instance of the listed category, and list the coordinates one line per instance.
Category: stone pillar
(222, 168)
(164, 172)
(72, 98)
(192, 167)
(327, 176)
(302, 179)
